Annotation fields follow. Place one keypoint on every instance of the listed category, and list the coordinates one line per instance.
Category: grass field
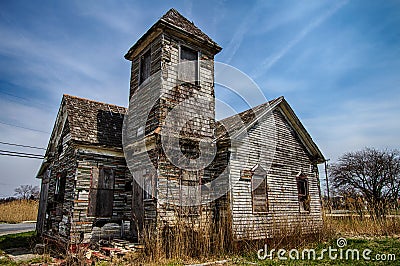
(381, 237)
(383, 251)
(18, 211)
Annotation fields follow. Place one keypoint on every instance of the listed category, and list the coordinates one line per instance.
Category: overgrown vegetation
(17, 211)
(21, 240)
(371, 177)
(186, 244)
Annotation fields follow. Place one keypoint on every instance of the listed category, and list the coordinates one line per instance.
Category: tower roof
(173, 20)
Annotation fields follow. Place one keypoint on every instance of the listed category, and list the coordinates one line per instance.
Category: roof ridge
(253, 108)
(93, 101)
(176, 12)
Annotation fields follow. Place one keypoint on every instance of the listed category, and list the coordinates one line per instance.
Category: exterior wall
(163, 92)
(88, 161)
(284, 214)
(194, 100)
(68, 219)
(58, 213)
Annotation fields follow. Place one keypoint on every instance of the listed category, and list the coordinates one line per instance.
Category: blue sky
(336, 62)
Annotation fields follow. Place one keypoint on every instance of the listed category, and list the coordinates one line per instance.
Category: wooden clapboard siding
(88, 162)
(289, 159)
(165, 90)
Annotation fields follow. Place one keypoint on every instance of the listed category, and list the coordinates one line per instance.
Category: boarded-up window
(101, 194)
(190, 193)
(260, 193)
(303, 192)
(145, 65)
(188, 67)
(59, 191)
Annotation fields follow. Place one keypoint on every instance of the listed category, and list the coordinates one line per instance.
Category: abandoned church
(96, 182)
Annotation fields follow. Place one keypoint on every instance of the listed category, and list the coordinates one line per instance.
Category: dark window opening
(128, 186)
(59, 191)
(148, 187)
(303, 193)
(101, 195)
(60, 149)
(188, 67)
(260, 194)
(145, 66)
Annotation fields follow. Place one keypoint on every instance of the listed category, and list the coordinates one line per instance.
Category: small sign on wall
(246, 174)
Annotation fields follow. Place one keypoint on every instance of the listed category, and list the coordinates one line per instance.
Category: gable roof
(234, 124)
(88, 122)
(175, 21)
(94, 123)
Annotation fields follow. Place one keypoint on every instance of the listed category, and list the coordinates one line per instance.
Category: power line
(21, 156)
(20, 145)
(12, 125)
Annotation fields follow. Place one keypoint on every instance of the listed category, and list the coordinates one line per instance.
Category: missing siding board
(259, 194)
(101, 195)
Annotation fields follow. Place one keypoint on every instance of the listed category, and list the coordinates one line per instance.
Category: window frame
(148, 186)
(303, 198)
(96, 192)
(264, 195)
(190, 179)
(60, 185)
(197, 65)
(141, 80)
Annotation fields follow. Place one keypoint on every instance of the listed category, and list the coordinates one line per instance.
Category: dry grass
(355, 226)
(186, 244)
(18, 211)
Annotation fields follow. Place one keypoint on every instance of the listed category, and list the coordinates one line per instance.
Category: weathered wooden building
(87, 183)
(273, 174)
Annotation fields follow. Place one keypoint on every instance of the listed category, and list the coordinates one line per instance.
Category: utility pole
(327, 185)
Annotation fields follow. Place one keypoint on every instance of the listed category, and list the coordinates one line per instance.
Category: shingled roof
(175, 21)
(235, 123)
(94, 123)
(174, 18)
(243, 121)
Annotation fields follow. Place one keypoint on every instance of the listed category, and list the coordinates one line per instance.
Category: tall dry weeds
(359, 226)
(18, 211)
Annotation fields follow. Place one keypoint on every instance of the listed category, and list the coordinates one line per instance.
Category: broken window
(145, 65)
(148, 186)
(101, 195)
(260, 193)
(303, 192)
(188, 67)
(59, 191)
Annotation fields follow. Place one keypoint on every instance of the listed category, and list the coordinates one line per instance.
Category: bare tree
(27, 192)
(372, 174)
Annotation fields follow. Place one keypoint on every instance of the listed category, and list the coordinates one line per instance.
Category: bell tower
(171, 112)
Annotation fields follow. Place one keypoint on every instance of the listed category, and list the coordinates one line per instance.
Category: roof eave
(307, 140)
(158, 28)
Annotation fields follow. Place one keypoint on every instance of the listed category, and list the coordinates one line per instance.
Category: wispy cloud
(236, 41)
(356, 124)
(273, 59)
